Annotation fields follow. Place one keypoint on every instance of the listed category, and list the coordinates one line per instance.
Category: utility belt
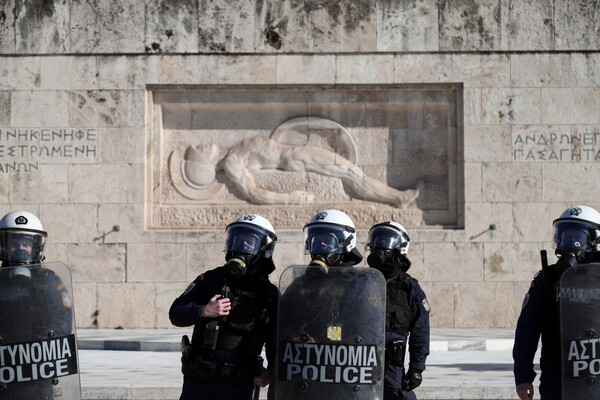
(394, 351)
(201, 370)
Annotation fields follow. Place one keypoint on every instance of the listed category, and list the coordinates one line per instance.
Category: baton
(256, 392)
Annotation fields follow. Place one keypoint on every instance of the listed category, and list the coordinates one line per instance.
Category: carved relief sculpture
(299, 145)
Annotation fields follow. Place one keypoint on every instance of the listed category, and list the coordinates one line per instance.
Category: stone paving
(145, 364)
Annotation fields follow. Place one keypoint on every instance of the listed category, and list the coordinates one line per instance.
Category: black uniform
(407, 320)
(224, 354)
(540, 316)
(34, 305)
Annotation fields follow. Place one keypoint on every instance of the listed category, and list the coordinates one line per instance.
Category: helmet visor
(324, 239)
(21, 246)
(246, 239)
(385, 237)
(574, 236)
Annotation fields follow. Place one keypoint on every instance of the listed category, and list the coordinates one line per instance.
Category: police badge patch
(334, 333)
(189, 288)
(67, 301)
(426, 305)
(526, 300)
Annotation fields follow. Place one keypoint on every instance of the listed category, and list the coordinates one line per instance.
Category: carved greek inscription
(25, 150)
(556, 147)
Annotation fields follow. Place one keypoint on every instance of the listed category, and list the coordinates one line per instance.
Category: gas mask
(238, 265)
(567, 260)
(388, 261)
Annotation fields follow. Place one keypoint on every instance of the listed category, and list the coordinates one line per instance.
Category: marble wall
(84, 109)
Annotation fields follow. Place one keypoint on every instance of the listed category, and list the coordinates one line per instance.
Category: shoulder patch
(189, 288)
(526, 300)
(67, 301)
(425, 304)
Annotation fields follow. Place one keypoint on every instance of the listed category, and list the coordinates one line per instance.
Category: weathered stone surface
(70, 223)
(22, 73)
(512, 182)
(126, 145)
(56, 252)
(469, 25)
(532, 222)
(98, 108)
(166, 293)
(474, 182)
(7, 27)
(511, 106)
(226, 26)
(171, 27)
(577, 24)
(305, 69)
(85, 298)
(511, 262)
(570, 106)
(155, 263)
(118, 308)
(545, 70)
(422, 68)
(137, 188)
(247, 69)
(472, 106)
(48, 184)
(481, 105)
(52, 22)
(488, 222)
(453, 262)
(126, 72)
(4, 108)
(440, 296)
(187, 69)
(364, 69)
(308, 26)
(407, 25)
(569, 182)
(89, 183)
(68, 73)
(51, 109)
(98, 262)
(475, 70)
(527, 25)
(91, 33)
(203, 256)
(488, 143)
(585, 69)
(487, 304)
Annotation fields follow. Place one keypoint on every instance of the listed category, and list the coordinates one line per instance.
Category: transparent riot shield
(331, 334)
(580, 332)
(38, 347)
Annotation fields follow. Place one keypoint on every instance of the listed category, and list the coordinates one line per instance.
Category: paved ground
(144, 364)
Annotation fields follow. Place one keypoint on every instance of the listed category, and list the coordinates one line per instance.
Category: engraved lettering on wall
(26, 149)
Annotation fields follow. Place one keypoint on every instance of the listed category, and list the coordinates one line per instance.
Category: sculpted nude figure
(262, 153)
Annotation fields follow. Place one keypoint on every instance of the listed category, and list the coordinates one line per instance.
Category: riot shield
(580, 331)
(331, 334)
(38, 347)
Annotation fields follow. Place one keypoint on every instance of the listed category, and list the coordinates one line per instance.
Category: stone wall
(82, 121)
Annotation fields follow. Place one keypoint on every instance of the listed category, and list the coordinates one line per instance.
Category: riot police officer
(407, 310)
(576, 240)
(330, 239)
(233, 310)
(35, 304)
(335, 307)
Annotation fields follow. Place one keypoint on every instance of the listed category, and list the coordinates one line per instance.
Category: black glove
(412, 379)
